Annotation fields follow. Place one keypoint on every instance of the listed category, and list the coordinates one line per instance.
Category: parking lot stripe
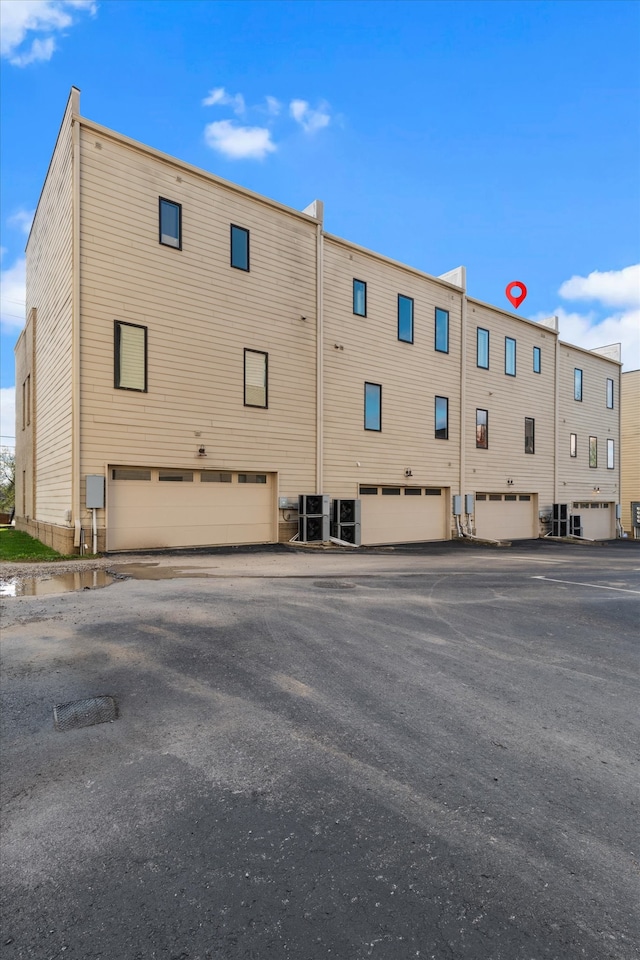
(577, 583)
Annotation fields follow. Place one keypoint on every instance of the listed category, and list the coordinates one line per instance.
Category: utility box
(95, 492)
(457, 504)
(469, 504)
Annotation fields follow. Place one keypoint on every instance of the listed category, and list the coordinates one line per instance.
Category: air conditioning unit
(560, 522)
(313, 518)
(345, 521)
(575, 525)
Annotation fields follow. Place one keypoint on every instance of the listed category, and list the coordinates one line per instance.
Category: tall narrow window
(255, 378)
(611, 447)
(537, 360)
(482, 348)
(130, 360)
(482, 429)
(609, 393)
(577, 384)
(360, 298)
(28, 398)
(529, 435)
(593, 451)
(405, 319)
(372, 406)
(170, 223)
(442, 418)
(442, 330)
(573, 444)
(510, 356)
(239, 248)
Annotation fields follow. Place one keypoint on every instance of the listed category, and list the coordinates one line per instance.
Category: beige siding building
(196, 356)
(630, 448)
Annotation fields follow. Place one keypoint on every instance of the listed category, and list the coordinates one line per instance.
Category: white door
(505, 516)
(157, 507)
(403, 514)
(598, 520)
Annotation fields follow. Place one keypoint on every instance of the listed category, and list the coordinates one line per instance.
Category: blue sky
(499, 135)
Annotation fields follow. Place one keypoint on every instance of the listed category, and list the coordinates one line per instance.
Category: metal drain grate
(84, 713)
(334, 584)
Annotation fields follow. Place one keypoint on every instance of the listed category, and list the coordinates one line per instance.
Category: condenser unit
(313, 505)
(575, 525)
(313, 529)
(560, 523)
(345, 521)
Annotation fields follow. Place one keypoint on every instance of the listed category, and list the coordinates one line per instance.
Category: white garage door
(505, 516)
(598, 519)
(151, 507)
(403, 514)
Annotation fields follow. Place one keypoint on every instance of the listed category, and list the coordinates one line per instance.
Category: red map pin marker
(516, 298)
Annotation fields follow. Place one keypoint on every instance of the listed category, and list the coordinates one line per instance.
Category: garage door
(505, 516)
(151, 507)
(598, 520)
(403, 514)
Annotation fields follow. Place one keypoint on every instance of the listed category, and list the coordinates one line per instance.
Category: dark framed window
(359, 298)
(130, 473)
(529, 435)
(577, 384)
(537, 360)
(482, 348)
(175, 476)
(442, 330)
(405, 318)
(573, 444)
(482, 429)
(252, 478)
(170, 223)
(593, 451)
(609, 393)
(442, 418)
(130, 356)
(372, 406)
(239, 248)
(256, 378)
(368, 491)
(611, 454)
(510, 356)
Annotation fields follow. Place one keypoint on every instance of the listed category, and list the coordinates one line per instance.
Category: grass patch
(18, 546)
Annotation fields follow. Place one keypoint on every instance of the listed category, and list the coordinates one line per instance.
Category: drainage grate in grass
(84, 713)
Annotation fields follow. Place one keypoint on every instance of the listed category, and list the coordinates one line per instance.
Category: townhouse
(196, 356)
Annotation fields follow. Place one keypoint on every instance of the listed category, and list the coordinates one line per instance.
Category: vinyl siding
(49, 291)
(589, 418)
(630, 452)
(200, 314)
(359, 349)
(509, 400)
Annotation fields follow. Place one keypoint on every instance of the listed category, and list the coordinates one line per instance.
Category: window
(573, 444)
(577, 384)
(391, 491)
(405, 319)
(239, 248)
(368, 491)
(413, 491)
(130, 473)
(529, 435)
(175, 476)
(442, 418)
(26, 402)
(482, 348)
(360, 298)
(593, 451)
(214, 476)
(252, 478)
(255, 378)
(609, 394)
(442, 330)
(432, 492)
(510, 356)
(482, 429)
(170, 223)
(611, 447)
(372, 406)
(130, 366)
(537, 360)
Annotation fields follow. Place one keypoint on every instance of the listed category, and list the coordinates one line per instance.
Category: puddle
(60, 583)
(153, 571)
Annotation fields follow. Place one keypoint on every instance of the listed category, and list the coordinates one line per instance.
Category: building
(211, 354)
(630, 449)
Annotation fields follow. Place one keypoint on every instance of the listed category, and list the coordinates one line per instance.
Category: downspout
(463, 390)
(75, 319)
(556, 419)
(319, 350)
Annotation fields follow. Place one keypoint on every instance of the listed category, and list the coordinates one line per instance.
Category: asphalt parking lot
(418, 753)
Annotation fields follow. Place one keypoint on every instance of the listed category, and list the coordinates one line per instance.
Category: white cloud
(22, 219)
(273, 106)
(237, 142)
(12, 296)
(310, 120)
(20, 18)
(7, 417)
(613, 288)
(219, 96)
